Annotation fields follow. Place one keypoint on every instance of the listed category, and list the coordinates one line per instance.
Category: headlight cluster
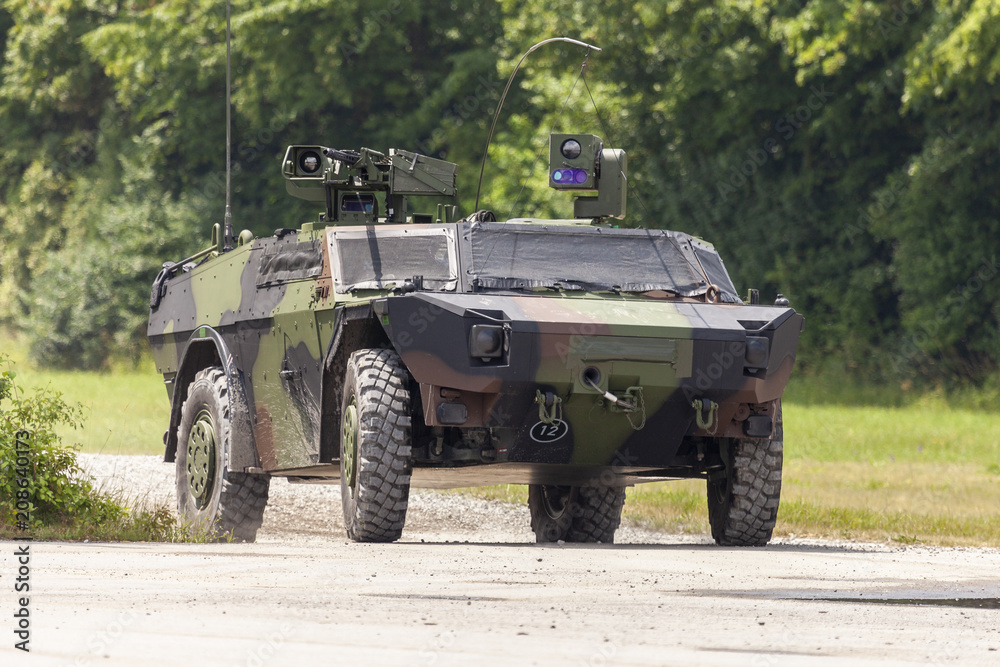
(486, 341)
(757, 352)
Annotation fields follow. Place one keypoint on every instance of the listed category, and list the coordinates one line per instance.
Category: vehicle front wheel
(375, 442)
(743, 502)
(209, 497)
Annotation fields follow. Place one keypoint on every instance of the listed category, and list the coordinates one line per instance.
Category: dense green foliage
(839, 151)
(43, 491)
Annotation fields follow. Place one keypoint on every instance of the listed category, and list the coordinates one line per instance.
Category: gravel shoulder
(312, 513)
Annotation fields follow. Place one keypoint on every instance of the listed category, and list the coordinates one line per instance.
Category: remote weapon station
(380, 347)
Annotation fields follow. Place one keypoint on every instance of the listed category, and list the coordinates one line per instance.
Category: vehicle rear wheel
(550, 508)
(375, 463)
(599, 514)
(575, 513)
(210, 497)
(743, 503)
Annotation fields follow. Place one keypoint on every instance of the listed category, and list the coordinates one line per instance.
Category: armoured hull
(680, 369)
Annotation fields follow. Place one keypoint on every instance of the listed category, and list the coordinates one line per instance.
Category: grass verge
(124, 411)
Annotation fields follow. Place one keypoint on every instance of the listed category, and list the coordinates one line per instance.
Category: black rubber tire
(598, 514)
(209, 497)
(743, 504)
(375, 494)
(575, 513)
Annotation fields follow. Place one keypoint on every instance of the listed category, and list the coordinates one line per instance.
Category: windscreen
(526, 256)
(375, 258)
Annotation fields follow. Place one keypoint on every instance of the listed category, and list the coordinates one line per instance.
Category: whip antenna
(489, 138)
(227, 233)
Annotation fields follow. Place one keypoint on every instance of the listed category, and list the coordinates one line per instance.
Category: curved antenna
(227, 234)
(489, 138)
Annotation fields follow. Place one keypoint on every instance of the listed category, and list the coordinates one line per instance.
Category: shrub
(62, 501)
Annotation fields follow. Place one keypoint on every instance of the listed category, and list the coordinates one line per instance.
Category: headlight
(486, 341)
(757, 352)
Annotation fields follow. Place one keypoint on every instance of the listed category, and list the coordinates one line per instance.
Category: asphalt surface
(303, 600)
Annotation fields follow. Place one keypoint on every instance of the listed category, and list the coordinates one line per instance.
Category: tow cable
(621, 403)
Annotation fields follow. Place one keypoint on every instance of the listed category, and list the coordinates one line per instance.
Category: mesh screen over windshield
(520, 256)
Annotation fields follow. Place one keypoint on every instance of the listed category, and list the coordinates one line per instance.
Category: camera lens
(571, 149)
(309, 162)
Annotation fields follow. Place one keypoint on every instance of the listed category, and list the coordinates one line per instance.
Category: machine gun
(348, 181)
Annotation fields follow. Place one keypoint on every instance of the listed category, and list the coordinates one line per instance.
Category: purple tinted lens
(580, 176)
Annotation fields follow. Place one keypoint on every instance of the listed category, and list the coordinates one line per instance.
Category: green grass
(927, 431)
(906, 467)
(949, 504)
(126, 410)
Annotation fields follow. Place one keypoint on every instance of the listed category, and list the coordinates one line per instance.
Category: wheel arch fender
(356, 328)
(207, 348)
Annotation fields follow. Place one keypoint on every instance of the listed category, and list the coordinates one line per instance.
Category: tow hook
(706, 414)
(614, 400)
(554, 404)
(632, 403)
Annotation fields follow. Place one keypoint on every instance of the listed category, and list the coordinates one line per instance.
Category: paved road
(327, 601)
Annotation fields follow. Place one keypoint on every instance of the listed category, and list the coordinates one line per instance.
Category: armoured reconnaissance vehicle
(382, 349)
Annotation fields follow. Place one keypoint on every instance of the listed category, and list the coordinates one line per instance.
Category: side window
(377, 258)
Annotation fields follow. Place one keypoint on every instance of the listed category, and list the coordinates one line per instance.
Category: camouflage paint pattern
(283, 333)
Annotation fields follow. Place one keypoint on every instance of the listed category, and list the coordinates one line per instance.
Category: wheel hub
(555, 500)
(201, 458)
(349, 446)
